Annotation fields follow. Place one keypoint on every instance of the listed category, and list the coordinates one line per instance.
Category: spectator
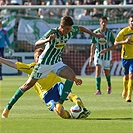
(67, 11)
(4, 41)
(78, 11)
(85, 15)
(56, 13)
(44, 12)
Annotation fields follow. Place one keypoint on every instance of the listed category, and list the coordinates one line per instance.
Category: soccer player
(125, 38)
(4, 41)
(102, 60)
(50, 60)
(49, 89)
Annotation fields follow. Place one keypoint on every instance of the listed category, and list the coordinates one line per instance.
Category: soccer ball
(76, 111)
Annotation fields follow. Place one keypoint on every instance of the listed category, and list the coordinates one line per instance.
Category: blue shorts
(127, 65)
(53, 95)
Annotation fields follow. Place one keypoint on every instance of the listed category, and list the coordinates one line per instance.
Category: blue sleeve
(7, 39)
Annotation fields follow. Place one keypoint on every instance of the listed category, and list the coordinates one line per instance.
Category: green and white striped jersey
(102, 43)
(53, 49)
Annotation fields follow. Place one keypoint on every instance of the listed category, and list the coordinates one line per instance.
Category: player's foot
(85, 114)
(5, 113)
(128, 99)
(98, 92)
(124, 94)
(58, 107)
(109, 90)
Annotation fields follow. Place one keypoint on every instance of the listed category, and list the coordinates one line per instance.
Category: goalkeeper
(50, 89)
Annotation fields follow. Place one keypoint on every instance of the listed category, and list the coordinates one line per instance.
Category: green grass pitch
(109, 113)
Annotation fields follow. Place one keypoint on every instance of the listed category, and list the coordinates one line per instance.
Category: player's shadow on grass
(128, 119)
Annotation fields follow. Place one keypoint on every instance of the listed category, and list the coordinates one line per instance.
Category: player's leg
(20, 91)
(126, 67)
(77, 100)
(98, 67)
(125, 86)
(67, 73)
(1, 55)
(52, 97)
(130, 82)
(98, 79)
(106, 71)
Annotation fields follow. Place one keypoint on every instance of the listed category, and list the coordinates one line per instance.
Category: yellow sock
(125, 84)
(65, 114)
(130, 89)
(74, 98)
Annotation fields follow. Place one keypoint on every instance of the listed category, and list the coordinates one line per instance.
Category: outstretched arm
(107, 49)
(83, 29)
(8, 62)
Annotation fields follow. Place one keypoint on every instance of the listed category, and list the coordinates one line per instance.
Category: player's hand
(90, 63)
(103, 51)
(128, 40)
(52, 37)
(78, 81)
(99, 35)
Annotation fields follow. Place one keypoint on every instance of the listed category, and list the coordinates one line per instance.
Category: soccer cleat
(58, 107)
(109, 90)
(85, 113)
(5, 113)
(98, 92)
(128, 99)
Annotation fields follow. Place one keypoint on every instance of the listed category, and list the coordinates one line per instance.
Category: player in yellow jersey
(125, 38)
(49, 89)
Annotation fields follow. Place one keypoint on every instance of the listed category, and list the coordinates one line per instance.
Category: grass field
(109, 113)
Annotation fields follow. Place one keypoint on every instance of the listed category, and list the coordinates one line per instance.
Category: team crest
(60, 45)
(102, 41)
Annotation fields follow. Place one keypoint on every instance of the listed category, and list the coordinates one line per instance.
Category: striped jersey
(102, 43)
(53, 49)
(43, 84)
(127, 49)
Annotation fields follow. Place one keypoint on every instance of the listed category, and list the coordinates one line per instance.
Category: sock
(74, 98)
(14, 99)
(108, 79)
(98, 83)
(125, 85)
(130, 89)
(0, 70)
(66, 90)
(65, 114)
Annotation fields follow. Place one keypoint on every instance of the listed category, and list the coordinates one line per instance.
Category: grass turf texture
(109, 113)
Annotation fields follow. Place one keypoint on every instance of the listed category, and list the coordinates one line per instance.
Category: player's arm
(93, 46)
(107, 49)
(26, 68)
(117, 43)
(8, 62)
(83, 29)
(42, 41)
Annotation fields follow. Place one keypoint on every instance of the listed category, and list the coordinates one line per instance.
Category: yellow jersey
(127, 49)
(43, 84)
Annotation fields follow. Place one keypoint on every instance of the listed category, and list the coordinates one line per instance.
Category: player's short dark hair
(104, 17)
(38, 50)
(66, 21)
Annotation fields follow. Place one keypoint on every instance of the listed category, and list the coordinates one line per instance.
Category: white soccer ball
(76, 111)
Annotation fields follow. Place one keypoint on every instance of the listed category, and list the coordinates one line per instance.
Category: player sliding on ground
(50, 89)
